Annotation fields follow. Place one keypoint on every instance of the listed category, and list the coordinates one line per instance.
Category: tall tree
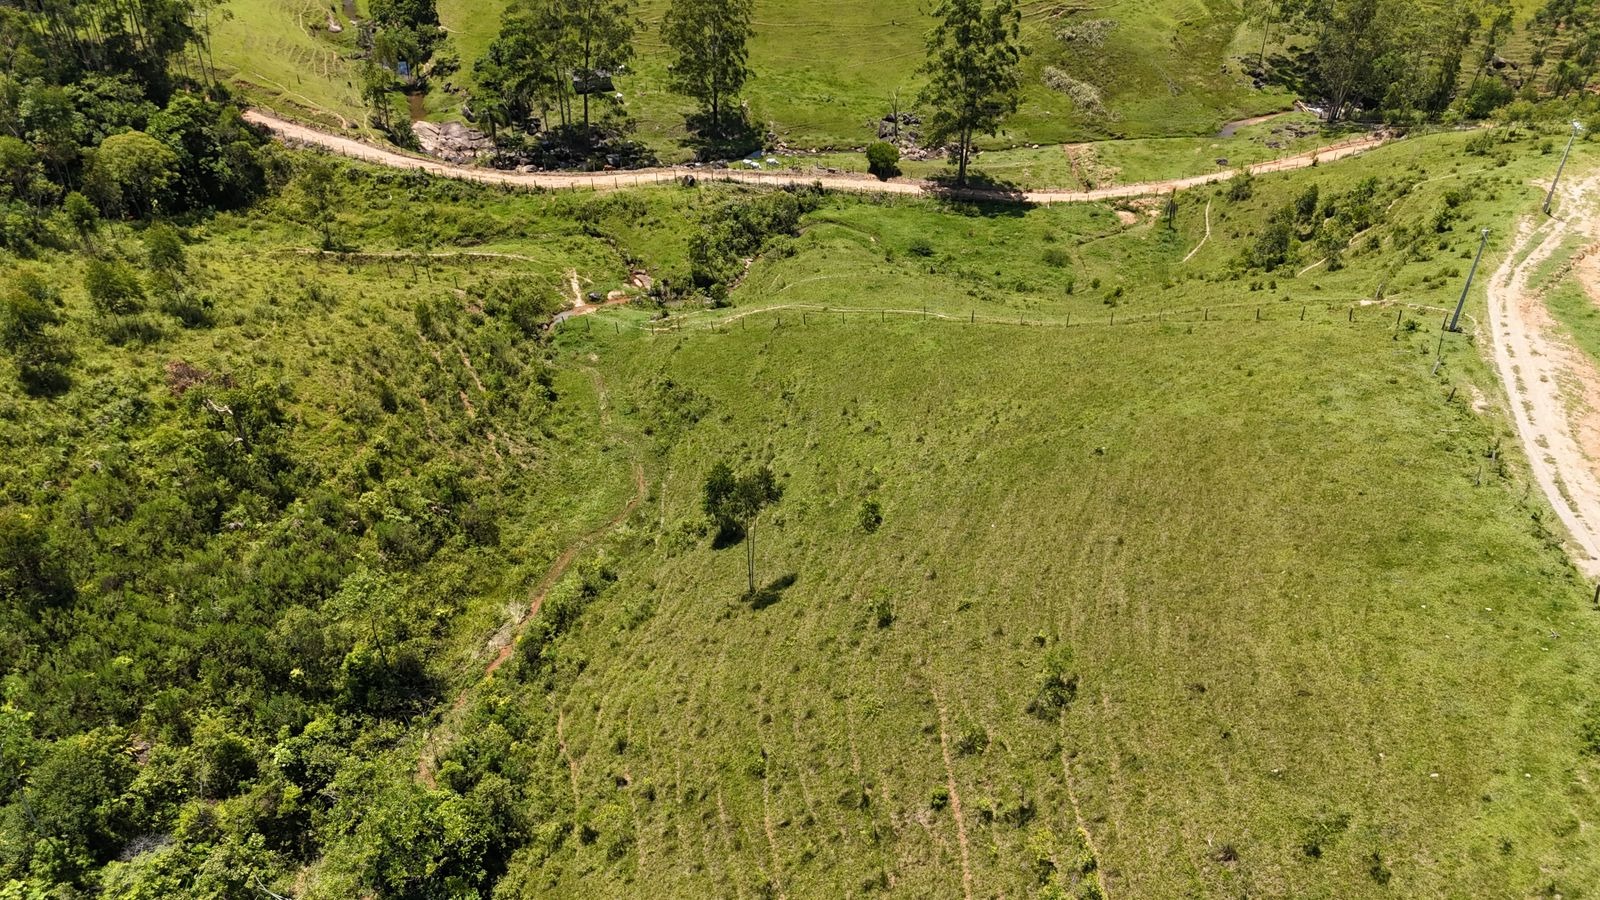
(710, 38)
(734, 502)
(523, 69)
(601, 35)
(1354, 37)
(974, 68)
(1498, 14)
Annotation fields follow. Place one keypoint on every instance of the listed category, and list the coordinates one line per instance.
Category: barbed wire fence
(801, 315)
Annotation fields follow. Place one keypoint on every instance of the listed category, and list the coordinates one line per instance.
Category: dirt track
(1547, 381)
(503, 644)
(295, 133)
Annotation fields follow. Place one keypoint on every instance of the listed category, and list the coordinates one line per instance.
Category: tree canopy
(709, 41)
(974, 70)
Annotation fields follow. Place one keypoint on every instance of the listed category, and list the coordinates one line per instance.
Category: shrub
(883, 159)
(920, 246)
(738, 229)
(1272, 245)
(1058, 682)
(1486, 96)
(1241, 187)
(881, 608)
(1305, 205)
(113, 287)
(974, 739)
(871, 515)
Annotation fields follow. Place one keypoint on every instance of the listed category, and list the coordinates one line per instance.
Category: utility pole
(1550, 194)
(1455, 320)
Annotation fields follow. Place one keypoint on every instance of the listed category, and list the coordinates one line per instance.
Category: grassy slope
(824, 71)
(1280, 542)
(1296, 619)
(281, 53)
(1258, 577)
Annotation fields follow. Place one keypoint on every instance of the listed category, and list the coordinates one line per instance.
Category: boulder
(452, 141)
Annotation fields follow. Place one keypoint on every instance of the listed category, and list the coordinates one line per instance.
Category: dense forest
(208, 603)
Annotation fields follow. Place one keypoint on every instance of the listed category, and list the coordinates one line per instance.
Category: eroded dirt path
(504, 641)
(296, 133)
(1550, 384)
(954, 797)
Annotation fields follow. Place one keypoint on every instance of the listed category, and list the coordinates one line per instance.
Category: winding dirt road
(295, 133)
(1552, 386)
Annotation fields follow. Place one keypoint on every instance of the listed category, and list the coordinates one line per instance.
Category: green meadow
(1105, 565)
(825, 73)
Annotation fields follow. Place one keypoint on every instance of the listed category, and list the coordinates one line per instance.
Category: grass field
(1189, 580)
(281, 53)
(1314, 658)
(1163, 69)
(1251, 587)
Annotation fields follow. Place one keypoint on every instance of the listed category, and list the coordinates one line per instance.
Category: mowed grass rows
(1326, 645)
(1311, 650)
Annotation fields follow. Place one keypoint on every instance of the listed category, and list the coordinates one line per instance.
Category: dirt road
(1550, 384)
(295, 133)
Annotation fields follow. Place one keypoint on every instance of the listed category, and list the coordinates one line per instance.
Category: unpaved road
(1547, 381)
(295, 133)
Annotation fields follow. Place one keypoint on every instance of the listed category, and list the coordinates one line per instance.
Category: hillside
(1164, 68)
(1104, 563)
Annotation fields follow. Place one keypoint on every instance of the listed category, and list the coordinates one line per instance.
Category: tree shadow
(729, 534)
(596, 148)
(982, 195)
(772, 593)
(734, 137)
(1293, 71)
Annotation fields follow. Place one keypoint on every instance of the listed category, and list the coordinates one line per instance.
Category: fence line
(803, 314)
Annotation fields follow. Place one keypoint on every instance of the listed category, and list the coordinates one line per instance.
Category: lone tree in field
(734, 502)
(709, 38)
(974, 73)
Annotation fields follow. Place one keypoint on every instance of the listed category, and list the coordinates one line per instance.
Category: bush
(113, 287)
(1241, 187)
(1486, 96)
(738, 229)
(1058, 682)
(871, 515)
(883, 160)
(881, 608)
(920, 246)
